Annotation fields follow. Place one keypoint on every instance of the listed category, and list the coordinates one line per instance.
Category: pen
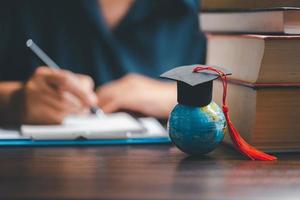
(48, 61)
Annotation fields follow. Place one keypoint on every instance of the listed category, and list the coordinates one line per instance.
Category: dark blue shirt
(153, 37)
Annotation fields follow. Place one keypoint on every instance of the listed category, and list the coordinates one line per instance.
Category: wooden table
(140, 172)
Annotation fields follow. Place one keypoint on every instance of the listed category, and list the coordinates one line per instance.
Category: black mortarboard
(193, 88)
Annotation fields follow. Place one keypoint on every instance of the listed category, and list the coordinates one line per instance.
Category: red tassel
(240, 144)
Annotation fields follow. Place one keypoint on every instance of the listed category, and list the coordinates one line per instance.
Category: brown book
(266, 116)
(246, 4)
(279, 21)
(257, 58)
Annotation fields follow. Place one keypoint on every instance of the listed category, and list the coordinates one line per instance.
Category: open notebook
(112, 128)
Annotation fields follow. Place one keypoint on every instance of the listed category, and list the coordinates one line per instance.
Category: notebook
(118, 128)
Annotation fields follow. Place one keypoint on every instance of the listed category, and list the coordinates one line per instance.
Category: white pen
(48, 61)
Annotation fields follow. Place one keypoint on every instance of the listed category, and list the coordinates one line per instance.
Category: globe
(197, 130)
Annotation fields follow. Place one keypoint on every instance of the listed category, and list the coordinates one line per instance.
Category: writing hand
(50, 95)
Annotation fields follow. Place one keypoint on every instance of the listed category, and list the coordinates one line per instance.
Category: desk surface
(143, 172)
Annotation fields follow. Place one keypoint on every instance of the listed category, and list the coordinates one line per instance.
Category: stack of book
(260, 43)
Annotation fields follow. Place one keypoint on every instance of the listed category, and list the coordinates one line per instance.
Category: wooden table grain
(143, 172)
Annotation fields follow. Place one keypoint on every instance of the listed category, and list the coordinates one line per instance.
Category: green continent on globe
(197, 131)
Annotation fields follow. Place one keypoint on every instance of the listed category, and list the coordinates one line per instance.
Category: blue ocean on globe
(197, 130)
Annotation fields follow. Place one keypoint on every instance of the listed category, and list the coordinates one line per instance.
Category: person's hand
(50, 95)
(138, 93)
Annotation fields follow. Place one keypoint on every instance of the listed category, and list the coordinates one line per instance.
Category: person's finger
(73, 104)
(68, 81)
(88, 85)
(64, 101)
(104, 98)
(108, 93)
(60, 101)
(51, 116)
(46, 89)
(111, 107)
(86, 81)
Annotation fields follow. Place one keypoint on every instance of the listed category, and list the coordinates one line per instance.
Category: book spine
(264, 85)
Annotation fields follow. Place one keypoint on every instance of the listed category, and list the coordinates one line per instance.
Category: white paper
(112, 126)
(153, 127)
(10, 134)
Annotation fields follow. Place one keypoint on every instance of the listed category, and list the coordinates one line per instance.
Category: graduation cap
(193, 89)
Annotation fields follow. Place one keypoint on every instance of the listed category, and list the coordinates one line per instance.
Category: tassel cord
(240, 144)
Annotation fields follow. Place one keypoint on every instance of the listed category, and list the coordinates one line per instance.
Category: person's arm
(11, 96)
